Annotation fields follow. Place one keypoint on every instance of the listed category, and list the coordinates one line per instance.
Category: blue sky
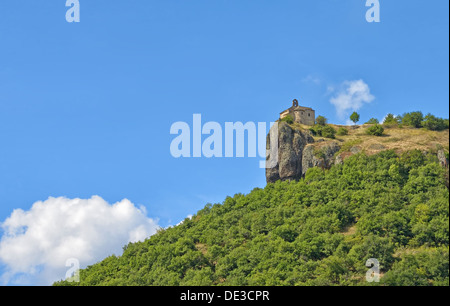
(86, 108)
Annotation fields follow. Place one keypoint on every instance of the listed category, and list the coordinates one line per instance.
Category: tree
(321, 120)
(354, 117)
(390, 119)
(434, 123)
(373, 121)
(413, 119)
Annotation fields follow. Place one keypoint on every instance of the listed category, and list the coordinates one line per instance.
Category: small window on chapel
(309, 115)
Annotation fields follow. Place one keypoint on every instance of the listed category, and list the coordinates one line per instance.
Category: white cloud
(37, 243)
(351, 96)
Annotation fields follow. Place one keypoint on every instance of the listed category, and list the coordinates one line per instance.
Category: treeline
(412, 119)
(320, 230)
(415, 120)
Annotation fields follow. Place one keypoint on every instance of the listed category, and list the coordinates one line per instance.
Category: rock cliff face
(321, 155)
(297, 152)
(444, 163)
(442, 158)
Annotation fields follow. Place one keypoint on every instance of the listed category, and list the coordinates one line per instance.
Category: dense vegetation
(288, 119)
(316, 231)
(417, 120)
(321, 128)
(326, 131)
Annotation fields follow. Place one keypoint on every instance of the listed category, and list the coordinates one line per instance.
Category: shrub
(316, 130)
(328, 132)
(376, 130)
(342, 131)
(288, 119)
(324, 131)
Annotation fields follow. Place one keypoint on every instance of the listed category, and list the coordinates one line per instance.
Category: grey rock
(442, 158)
(291, 143)
(319, 156)
(338, 160)
(297, 152)
(355, 150)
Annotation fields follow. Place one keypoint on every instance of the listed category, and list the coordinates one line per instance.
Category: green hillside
(317, 231)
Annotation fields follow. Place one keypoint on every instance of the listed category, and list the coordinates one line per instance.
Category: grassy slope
(399, 139)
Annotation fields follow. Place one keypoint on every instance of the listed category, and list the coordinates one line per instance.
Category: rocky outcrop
(444, 163)
(442, 158)
(297, 152)
(291, 143)
(321, 155)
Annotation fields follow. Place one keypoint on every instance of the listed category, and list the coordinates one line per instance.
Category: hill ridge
(319, 230)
